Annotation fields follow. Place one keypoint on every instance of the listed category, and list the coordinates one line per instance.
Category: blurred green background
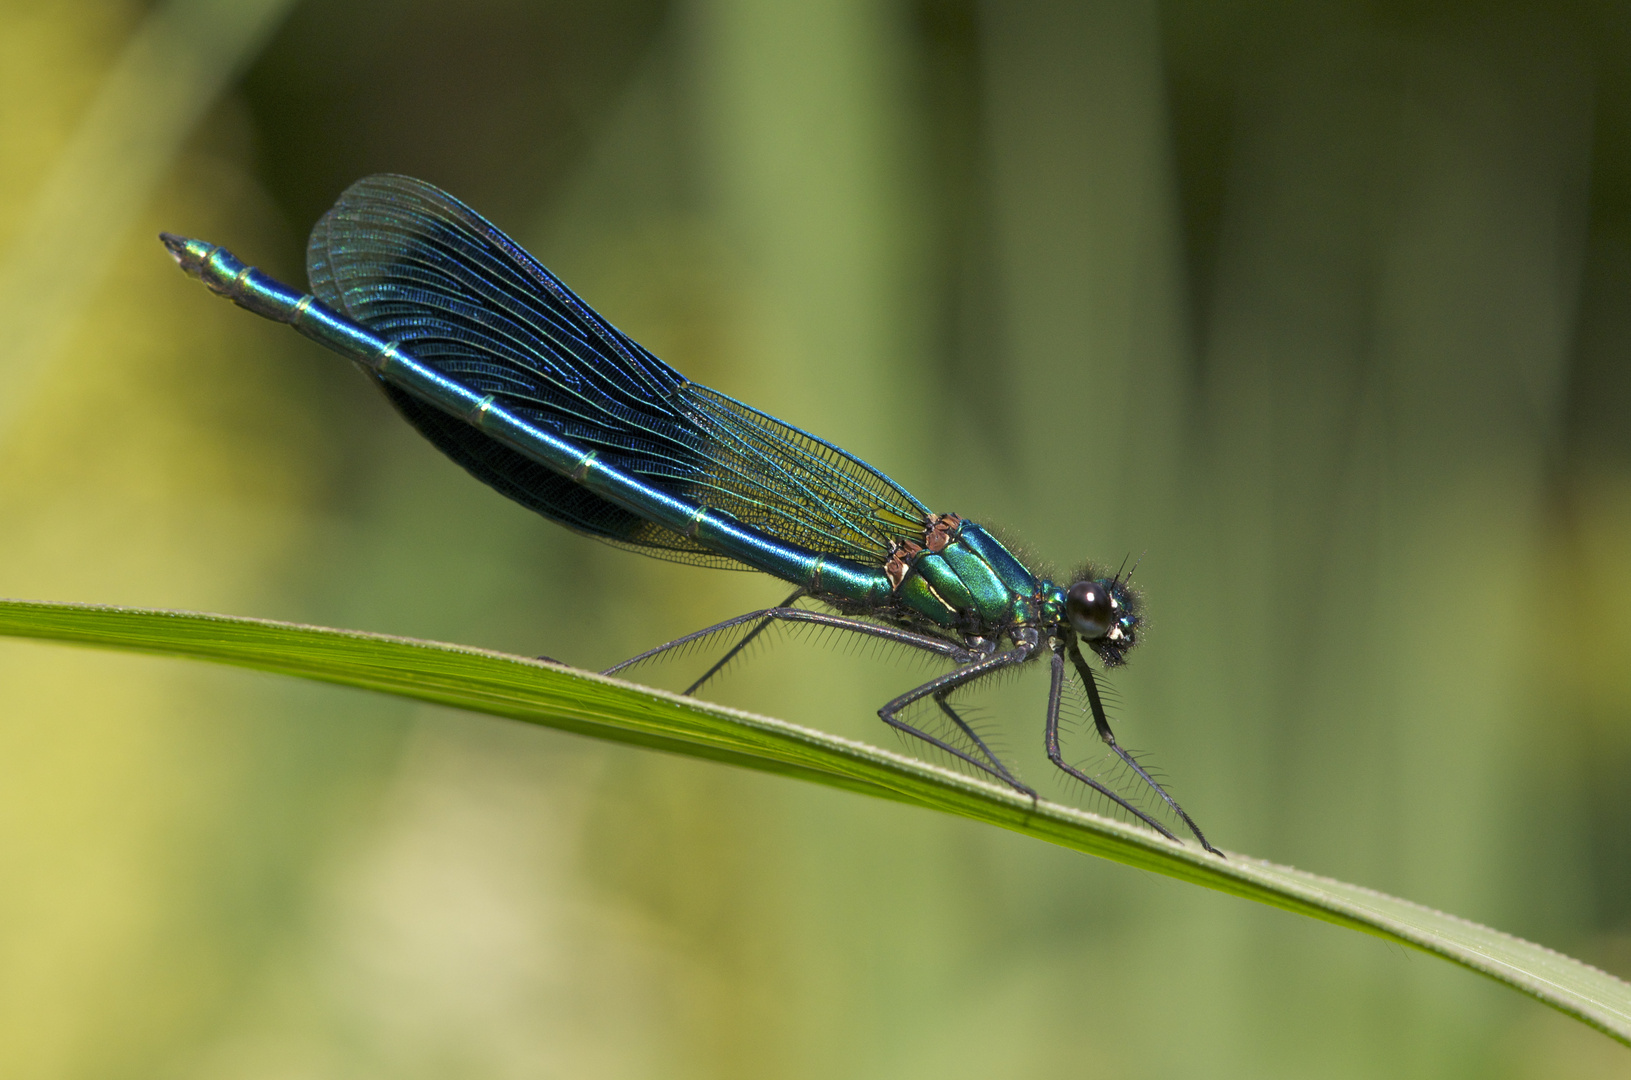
(1324, 310)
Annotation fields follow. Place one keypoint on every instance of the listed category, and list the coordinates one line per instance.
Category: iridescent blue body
(251, 289)
(515, 378)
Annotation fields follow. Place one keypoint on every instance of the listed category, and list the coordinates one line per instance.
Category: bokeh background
(1323, 310)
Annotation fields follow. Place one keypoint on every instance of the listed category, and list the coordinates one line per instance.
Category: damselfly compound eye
(1090, 608)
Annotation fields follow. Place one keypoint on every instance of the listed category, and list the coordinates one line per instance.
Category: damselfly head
(1104, 611)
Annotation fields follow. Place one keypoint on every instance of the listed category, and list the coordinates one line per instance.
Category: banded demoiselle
(506, 371)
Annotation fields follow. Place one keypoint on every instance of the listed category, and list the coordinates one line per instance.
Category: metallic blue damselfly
(511, 375)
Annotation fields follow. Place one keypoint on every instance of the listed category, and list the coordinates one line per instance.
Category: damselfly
(511, 375)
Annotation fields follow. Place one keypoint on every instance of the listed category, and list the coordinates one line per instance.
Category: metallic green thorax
(975, 585)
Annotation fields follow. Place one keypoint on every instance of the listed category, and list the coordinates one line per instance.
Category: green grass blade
(588, 704)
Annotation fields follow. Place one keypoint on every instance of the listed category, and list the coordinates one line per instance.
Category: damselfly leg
(926, 642)
(943, 686)
(975, 665)
(735, 650)
(1051, 740)
(1101, 723)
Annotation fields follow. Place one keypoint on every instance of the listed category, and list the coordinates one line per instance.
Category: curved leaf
(588, 704)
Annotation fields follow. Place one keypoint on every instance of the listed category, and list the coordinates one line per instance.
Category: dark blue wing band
(419, 268)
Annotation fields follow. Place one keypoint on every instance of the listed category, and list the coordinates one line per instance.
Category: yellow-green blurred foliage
(1324, 310)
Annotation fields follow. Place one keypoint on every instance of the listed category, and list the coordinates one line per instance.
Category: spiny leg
(963, 726)
(945, 684)
(1102, 723)
(926, 642)
(1051, 741)
(974, 668)
(740, 645)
